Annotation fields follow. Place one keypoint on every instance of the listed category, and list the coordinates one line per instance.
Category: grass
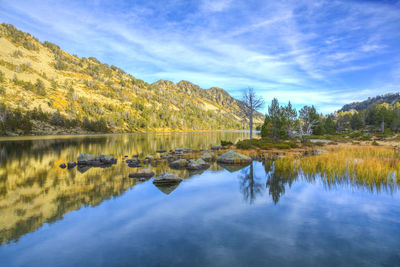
(370, 167)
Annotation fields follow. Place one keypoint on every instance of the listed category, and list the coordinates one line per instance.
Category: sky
(325, 53)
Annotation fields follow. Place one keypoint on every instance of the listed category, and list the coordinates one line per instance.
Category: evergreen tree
(329, 125)
(356, 121)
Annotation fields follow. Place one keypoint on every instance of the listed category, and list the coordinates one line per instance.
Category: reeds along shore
(374, 168)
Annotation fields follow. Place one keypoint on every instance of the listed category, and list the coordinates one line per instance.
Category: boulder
(63, 166)
(180, 163)
(199, 164)
(216, 147)
(207, 156)
(167, 178)
(161, 151)
(71, 164)
(143, 173)
(83, 157)
(232, 157)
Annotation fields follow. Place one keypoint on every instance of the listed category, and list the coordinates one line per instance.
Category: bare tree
(250, 103)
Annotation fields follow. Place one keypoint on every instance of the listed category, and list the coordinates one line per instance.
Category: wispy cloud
(304, 51)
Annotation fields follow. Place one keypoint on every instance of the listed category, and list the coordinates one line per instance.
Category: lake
(255, 215)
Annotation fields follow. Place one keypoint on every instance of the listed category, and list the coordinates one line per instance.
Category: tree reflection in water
(250, 185)
(277, 180)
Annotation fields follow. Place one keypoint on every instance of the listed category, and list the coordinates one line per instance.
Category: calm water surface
(224, 216)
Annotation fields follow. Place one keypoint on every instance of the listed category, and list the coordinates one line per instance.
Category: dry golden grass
(376, 168)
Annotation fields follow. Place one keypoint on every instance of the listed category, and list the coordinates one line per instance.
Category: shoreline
(80, 135)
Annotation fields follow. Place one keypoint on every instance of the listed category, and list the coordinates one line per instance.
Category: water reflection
(251, 186)
(34, 191)
(278, 179)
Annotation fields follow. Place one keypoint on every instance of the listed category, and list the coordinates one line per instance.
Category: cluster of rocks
(193, 164)
(69, 165)
(90, 160)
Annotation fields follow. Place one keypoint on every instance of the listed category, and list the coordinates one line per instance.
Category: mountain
(45, 90)
(370, 102)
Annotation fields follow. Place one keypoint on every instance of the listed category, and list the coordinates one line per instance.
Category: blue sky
(326, 53)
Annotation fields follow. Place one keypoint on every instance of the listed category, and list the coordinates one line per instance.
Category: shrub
(40, 88)
(14, 120)
(243, 144)
(96, 126)
(57, 120)
(374, 143)
(226, 143)
(293, 144)
(16, 54)
(365, 137)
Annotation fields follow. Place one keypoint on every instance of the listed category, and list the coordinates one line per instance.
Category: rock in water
(133, 163)
(180, 163)
(216, 147)
(83, 157)
(207, 156)
(63, 166)
(71, 164)
(197, 165)
(144, 173)
(88, 159)
(106, 159)
(232, 157)
(167, 178)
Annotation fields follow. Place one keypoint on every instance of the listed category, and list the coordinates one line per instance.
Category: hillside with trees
(284, 122)
(45, 90)
(372, 101)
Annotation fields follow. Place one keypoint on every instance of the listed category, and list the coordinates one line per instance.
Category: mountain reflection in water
(222, 200)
